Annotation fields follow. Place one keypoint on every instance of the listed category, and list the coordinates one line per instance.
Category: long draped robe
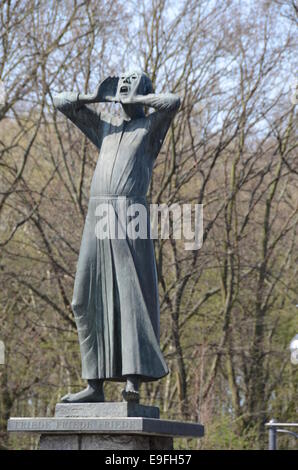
(115, 299)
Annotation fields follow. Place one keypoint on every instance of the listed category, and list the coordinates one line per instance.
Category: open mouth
(124, 89)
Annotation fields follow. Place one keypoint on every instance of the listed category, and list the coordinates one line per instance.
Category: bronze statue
(115, 300)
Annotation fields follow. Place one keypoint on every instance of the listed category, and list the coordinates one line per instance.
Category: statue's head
(134, 83)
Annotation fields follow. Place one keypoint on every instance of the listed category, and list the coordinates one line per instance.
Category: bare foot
(92, 394)
(131, 391)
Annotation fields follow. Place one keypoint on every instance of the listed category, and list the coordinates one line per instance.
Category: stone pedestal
(122, 409)
(104, 442)
(105, 426)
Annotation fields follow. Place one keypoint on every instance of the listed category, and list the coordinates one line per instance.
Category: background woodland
(228, 310)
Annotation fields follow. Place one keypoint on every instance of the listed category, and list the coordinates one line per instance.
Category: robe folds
(115, 298)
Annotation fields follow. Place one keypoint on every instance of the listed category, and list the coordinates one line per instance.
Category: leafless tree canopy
(227, 310)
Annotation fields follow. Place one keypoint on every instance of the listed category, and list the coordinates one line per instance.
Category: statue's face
(128, 84)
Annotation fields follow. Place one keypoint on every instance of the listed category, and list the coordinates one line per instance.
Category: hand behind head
(107, 89)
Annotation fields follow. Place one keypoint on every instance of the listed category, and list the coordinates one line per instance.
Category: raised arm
(158, 122)
(84, 117)
(75, 107)
(166, 106)
(166, 102)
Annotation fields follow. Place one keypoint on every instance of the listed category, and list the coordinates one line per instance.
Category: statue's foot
(131, 391)
(92, 394)
(131, 396)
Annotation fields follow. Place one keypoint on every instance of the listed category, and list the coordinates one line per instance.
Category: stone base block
(122, 409)
(105, 426)
(104, 442)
